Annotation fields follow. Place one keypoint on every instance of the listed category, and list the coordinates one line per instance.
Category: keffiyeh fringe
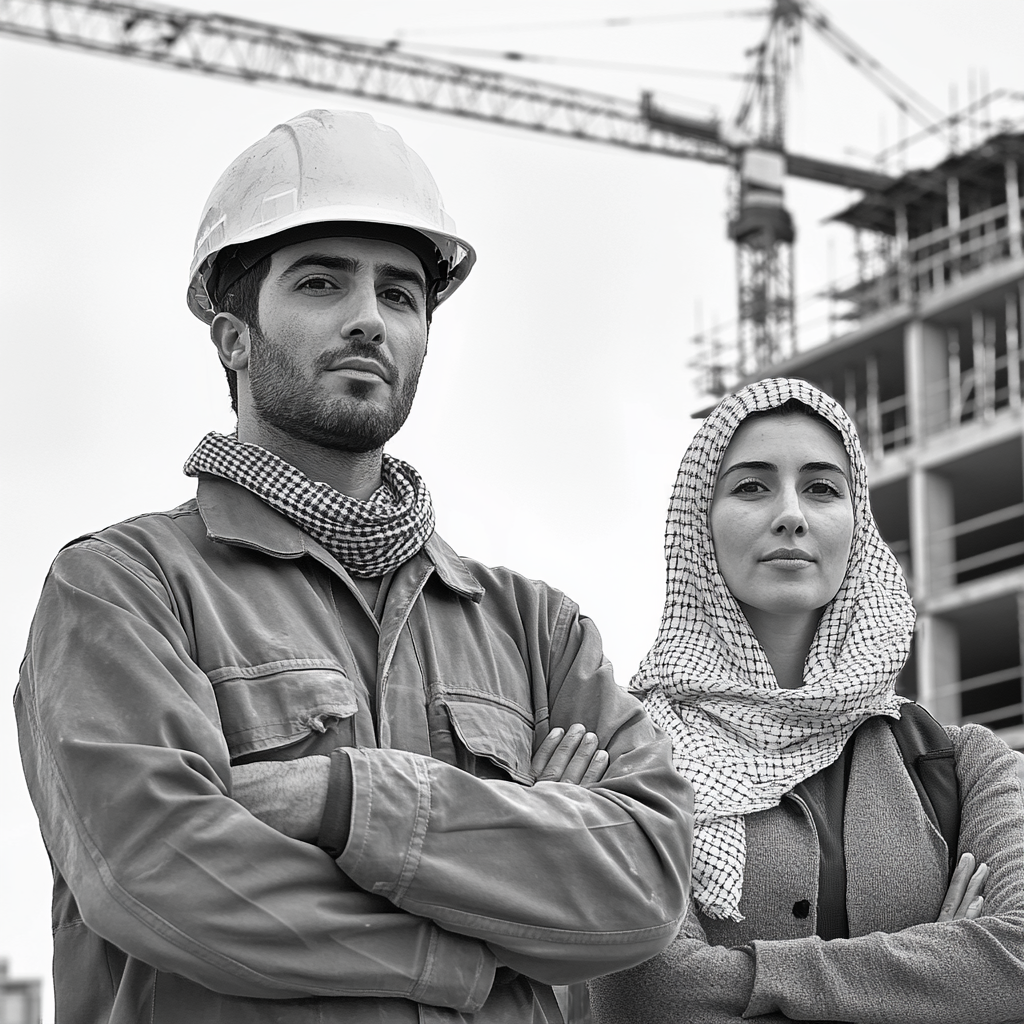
(370, 538)
(741, 739)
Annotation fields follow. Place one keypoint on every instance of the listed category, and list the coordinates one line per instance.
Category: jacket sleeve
(129, 773)
(930, 973)
(564, 882)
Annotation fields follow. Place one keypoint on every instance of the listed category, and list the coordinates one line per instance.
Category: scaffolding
(930, 369)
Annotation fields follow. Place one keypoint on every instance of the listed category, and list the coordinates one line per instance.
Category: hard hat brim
(456, 253)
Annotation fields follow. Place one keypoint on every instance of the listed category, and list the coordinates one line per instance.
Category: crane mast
(761, 225)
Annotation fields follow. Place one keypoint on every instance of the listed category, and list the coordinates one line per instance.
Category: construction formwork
(930, 368)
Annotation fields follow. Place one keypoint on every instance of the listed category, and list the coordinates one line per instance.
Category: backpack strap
(931, 764)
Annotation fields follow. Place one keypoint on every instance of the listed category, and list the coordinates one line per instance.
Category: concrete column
(902, 254)
(938, 672)
(1012, 351)
(926, 369)
(953, 216)
(932, 545)
(1013, 208)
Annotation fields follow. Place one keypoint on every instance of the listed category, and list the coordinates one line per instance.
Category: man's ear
(231, 337)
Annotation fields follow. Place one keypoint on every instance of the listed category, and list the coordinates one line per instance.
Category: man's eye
(396, 295)
(317, 284)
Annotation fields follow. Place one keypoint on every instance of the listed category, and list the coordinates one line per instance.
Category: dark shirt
(825, 796)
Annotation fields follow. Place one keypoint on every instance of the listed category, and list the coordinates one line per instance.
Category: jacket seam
(446, 916)
(421, 821)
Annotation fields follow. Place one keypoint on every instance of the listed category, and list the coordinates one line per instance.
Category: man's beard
(284, 398)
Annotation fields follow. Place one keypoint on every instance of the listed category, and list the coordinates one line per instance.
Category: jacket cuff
(336, 822)
(459, 974)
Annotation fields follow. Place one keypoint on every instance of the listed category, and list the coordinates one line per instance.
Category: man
(294, 759)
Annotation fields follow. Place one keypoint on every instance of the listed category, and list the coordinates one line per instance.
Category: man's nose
(363, 320)
(789, 516)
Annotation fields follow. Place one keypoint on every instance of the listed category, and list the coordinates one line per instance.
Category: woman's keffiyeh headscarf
(742, 740)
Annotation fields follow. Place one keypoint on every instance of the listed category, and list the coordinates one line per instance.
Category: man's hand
(964, 899)
(571, 756)
(289, 796)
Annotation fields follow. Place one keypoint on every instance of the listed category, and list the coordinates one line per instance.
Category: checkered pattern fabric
(370, 538)
(742, 740)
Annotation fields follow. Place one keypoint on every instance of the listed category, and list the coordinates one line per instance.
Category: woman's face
(782, 515)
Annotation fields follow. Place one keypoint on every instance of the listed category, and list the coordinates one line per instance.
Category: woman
(821, 888)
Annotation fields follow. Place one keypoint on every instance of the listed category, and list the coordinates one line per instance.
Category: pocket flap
(497, 733)
(272, 705)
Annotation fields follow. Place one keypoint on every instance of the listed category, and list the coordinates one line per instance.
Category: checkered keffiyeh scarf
(370, 538)
(742, 740)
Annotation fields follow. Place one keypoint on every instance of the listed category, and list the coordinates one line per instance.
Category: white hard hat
(326, 167)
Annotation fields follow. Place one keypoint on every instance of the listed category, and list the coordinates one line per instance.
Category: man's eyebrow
(348, 265)
(389, 270)
(319, 259)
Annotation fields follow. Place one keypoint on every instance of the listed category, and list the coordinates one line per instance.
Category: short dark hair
(242, 299)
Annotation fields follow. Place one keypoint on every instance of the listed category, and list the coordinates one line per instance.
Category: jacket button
(801, 909)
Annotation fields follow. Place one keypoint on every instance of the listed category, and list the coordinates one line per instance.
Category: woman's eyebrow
(822, 467)
(767, 467)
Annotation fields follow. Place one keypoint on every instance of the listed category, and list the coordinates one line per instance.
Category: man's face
(341, 339)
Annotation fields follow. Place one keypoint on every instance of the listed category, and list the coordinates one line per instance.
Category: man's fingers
(570, 756)
(580, 760)
(556, 764)
(598, 766)
(545, 750)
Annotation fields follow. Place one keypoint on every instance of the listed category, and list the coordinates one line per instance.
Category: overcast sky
(556, 398)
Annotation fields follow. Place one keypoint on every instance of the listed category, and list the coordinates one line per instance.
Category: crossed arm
(130, 775)
(966, 965)
(291, 796)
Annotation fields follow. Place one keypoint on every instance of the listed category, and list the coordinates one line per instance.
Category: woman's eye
(824, 487)
(750, 486)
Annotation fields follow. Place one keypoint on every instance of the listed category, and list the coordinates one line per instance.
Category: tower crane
(753, 146)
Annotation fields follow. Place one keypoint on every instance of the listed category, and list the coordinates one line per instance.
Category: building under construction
(930, 368)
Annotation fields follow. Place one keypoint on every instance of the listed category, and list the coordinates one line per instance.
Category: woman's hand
(569, 756)
(964, 897)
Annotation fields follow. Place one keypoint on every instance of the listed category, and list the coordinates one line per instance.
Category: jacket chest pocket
(286, 709)
(489, 740)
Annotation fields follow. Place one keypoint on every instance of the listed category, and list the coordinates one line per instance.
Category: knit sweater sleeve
(709, 984)
(929, 973)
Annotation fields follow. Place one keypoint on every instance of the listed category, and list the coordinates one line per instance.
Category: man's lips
(788, 554)
(360, 364)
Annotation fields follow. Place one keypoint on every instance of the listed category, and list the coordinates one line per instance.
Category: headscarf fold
(370, 538)
(741, 739)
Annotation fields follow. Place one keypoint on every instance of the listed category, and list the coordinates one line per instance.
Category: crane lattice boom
(256, 52)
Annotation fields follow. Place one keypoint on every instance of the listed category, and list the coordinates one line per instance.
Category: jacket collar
(234, 515)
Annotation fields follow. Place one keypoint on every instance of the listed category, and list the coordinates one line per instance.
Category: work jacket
(898, 965)
(173, 645)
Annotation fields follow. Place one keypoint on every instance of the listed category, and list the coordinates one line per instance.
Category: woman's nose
(363, 320)
(789, 517)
